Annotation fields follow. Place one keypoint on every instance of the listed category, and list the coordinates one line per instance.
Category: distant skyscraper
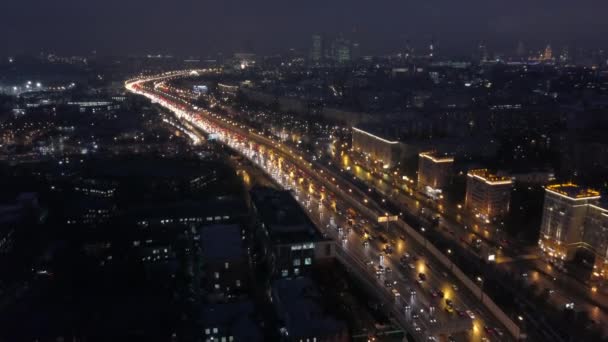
(521, 50)
(564, 56)
(432, 48)
(482, 51)
(341, 50)
(407, 54)
(355, 52)
(316, 53)
(548, 54)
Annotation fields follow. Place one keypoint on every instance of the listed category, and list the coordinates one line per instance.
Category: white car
(470, 314)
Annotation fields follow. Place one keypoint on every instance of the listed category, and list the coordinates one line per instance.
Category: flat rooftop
(437, 157)
(489, 178)
(573, 191)
(377, 133)
(284, 219)
(303, 310)
(222, 242)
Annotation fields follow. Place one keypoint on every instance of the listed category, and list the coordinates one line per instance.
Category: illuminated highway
(330, 201)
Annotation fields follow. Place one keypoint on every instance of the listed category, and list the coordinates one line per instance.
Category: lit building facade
(434, 170)
(488, 196)
(573, 219)
(385, 151)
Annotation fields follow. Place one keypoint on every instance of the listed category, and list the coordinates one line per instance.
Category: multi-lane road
(426, 312)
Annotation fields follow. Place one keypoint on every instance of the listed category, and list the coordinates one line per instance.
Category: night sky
(267, 26)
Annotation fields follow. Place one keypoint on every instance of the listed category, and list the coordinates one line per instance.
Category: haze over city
(207, 27)
(414, 171)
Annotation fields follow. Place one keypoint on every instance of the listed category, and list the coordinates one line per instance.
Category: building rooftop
(222, 242)
(300, 305)
(489, 178)
(283, 217)
(237, 318)
(437, 157)
(573, 191)
(377, 133)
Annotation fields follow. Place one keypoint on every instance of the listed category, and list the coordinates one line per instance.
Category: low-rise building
(225, 260)
(303, 315)
(291, 241)
(228, 322)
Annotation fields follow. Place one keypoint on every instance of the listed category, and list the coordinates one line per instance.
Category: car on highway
(488, 330)
(388, 249)
(449, 302)
(402, 237)
(454, 287)
(412, 292)
(388, 270)
(412, 266)
(388, 283)
(396, 293)
(416, 327)
(470, 314)
(365, 243)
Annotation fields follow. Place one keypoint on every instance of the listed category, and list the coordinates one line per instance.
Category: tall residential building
(380, 149)
(316, 52)
(573, 219)
(488, 196)
(434, 170)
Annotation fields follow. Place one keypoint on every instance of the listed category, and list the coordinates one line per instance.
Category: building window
(296, 271)
(223, 338)
(296, 262)
(308, 261)
(207, 331)
(215, 330)
(216, 275)
(238, 283)
(217, 286)
(226, 265)
(230, 338)
(284, 273)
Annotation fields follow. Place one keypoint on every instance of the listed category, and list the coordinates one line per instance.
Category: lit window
(207, 331)
(296, 271)
(238, 283)
(284, 273)
(307, 261)
(296, 262)
(217, 286)
(226, 265)
(215, 330)
(216, 275)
